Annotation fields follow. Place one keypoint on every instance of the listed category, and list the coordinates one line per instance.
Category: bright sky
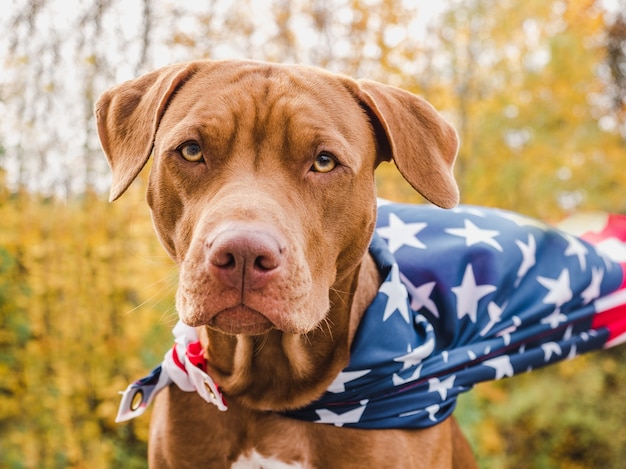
(58, 148)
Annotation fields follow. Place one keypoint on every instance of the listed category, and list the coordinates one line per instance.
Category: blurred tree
(57, 58)
(532, 86)
(535, 88)
(616, 58)
(525, 91)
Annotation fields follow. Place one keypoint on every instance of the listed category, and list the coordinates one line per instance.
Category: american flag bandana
(470, 295)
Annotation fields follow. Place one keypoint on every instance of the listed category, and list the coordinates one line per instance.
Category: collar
(469, 295)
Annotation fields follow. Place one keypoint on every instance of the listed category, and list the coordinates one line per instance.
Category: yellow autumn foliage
(86, 299)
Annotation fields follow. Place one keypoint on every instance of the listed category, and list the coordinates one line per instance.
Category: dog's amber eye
(324, 163)
(191, 152)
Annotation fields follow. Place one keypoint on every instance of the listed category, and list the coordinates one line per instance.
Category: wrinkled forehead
(228, 98)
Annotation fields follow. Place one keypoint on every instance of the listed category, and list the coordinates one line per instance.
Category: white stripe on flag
(610, 301)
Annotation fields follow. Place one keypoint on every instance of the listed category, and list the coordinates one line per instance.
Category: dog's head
(262, 185)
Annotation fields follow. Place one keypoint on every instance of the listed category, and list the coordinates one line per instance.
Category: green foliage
(85, 307)
(565, 416)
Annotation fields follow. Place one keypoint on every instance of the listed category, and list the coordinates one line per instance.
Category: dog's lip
(241, 319)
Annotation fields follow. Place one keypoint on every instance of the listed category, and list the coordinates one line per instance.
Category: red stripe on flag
(615, 228)
(613, 319)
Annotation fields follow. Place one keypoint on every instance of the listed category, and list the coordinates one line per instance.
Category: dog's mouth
(241, 319)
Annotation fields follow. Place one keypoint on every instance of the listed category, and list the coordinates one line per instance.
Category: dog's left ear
(128, 116)
(411, 132)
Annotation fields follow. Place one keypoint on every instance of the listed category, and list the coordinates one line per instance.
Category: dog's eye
(191, 152)
(324, 163)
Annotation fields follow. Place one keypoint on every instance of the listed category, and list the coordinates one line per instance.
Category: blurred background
(536, 89)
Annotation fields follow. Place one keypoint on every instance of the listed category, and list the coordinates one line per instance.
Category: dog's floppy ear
(128, 116)
(420, 142)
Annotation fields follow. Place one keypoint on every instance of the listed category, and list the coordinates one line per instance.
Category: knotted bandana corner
(183, 365)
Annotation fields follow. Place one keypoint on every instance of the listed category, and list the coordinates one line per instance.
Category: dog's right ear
(415, 136)
(128, 116)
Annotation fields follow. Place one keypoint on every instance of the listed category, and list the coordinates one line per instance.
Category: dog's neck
(279, 371)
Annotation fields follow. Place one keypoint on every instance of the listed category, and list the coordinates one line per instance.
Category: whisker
(152, 297)
(307, 338)
(323, 326)
(329, 323)
(261, 344)
(341, 295)
(169, 316)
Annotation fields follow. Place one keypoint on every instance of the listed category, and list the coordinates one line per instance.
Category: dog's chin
(240, 320)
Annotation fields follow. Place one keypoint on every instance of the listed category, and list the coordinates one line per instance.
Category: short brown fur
(274, 270)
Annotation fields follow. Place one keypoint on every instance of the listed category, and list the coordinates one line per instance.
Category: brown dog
(262, 190)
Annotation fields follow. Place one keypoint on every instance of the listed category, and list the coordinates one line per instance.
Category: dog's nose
(245, 258)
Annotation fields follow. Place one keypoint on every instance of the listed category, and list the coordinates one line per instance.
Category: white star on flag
(442, 387)
(398, 380)
(549, 349)
(417, 355)
(554, 318)
(506, 338)
(397, 296)
(572, 352)
(559, 291)
(339, 420)
(474, 235)
(578, 249)
(528, 256)
(432, 411)
(593, 290)
(420, 296)
(402, 234)
(568, 333)
(339, 384)
(502, 365)
(512, 328)
(468, 294)
(495, 313)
